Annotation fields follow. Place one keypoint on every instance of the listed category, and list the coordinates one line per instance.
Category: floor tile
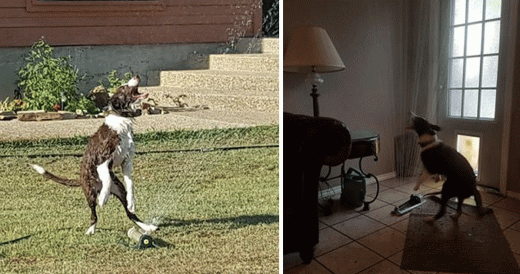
(384, 267)
(394, 182)
(373, 205)
(509, 204)
(392, 195)
(517, 256)
(349, 259)
(516, 226)
(385, 216)
(372, 188)
(358, 227)
(313, 268)
(504, 217)
(384, 242)
(339, 214)
(432, 184)
(490, 198)
(396, 258)
(322, 225)
(513, 237)
(330, 239)
(402, 226)
(409, 188)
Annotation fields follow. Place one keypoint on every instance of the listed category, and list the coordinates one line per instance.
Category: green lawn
(213, 193)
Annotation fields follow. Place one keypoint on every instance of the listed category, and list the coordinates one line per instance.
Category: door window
(473, 59)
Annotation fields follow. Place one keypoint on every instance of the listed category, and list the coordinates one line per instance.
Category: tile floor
(356, 241)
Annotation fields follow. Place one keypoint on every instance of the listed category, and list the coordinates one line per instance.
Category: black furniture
(309, 143)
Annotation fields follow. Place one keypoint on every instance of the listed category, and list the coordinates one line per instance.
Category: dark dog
(440, 159)
(112, 145)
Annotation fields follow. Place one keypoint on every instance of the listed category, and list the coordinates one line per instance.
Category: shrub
(114, 81)
(48, 82)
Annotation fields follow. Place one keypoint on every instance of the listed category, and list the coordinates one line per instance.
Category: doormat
(473, 244)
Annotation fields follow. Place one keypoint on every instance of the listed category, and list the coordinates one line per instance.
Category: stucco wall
(97, 61)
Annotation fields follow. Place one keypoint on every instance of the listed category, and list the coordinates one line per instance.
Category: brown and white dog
(441, 159)
(112, 145)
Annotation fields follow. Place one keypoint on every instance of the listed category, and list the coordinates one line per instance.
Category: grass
(218, 209)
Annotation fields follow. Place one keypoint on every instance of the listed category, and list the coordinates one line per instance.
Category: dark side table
(364, 144)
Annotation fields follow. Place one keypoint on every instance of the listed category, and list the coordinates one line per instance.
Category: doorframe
(512, 24)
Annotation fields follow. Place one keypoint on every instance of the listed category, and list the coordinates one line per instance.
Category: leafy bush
(47, 82)
(114, 81)
(271, 18)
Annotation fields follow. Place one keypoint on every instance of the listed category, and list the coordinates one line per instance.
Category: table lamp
(311, 51)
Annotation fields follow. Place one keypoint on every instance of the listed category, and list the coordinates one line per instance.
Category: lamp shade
(311, 50)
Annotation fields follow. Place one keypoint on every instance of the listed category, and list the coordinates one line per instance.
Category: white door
(470, 110)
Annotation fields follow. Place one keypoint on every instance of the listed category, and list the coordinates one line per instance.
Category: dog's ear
(435, 127)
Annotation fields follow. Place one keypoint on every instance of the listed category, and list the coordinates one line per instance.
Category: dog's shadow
(235, 222)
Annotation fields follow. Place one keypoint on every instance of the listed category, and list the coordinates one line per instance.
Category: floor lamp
(311, 51)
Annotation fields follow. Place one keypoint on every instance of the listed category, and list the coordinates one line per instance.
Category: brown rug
(473, 244)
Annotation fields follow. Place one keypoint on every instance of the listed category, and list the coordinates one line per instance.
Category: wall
(97, 61)
(367, 35)
(22, 22)
(128, 36)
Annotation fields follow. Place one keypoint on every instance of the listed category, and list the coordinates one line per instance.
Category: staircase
(242, 84)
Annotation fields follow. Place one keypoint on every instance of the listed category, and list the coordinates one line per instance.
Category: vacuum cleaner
(415, 201)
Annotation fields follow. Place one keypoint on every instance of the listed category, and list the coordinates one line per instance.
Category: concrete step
(258, 45)
(265, 62)
(215, 100)
(220, 80)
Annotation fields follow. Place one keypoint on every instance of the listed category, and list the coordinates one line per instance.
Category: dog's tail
(59, 180)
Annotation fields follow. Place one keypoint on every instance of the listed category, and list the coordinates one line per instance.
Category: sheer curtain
(422, 75)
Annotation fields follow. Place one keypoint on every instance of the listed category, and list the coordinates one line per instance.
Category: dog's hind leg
(478, 200)
(442, 210)
(104, 174)
(119, 190)
(93, 216)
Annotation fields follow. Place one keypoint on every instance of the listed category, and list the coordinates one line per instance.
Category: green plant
(114, 81)
(47, 81)
(271, 18)
(14, 105)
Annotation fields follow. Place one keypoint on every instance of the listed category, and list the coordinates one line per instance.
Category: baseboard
(512, 194)
(337, 189)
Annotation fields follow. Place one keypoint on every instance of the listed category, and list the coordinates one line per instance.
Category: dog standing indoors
(441, 159)
(112, 145)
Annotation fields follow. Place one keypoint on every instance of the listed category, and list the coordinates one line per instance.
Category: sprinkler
(144, 240)
(415, 201)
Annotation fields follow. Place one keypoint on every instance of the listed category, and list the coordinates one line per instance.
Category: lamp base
(315, 105)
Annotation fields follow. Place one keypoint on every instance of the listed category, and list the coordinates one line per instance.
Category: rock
(7, 115)
(41, 115)
(67, 115)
